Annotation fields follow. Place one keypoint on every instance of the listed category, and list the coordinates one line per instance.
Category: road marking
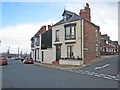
(110, 77)
(116, 79)
(77, 71)
(97, 75)
(94, 73)
(71, 70)
(89, 73)
(103, 75)
(107, 77)
(82, 72)
(96, 68)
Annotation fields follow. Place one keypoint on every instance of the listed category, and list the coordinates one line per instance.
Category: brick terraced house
(41, 42)
(74, 40)
(108, 47)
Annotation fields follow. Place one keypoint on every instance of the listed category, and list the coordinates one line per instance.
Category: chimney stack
(85, 13)
(49, 27)
(43, 29)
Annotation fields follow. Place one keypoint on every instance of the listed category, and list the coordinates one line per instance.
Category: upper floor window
(106, 42)
(37, 41)
(64, 17)
(96, 34)
(67, 33)
(57, 36)
(32, 42)
(70, 31)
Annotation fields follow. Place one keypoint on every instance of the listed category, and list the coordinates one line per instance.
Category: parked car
(28, 61)
(17, 58)
(3, 60)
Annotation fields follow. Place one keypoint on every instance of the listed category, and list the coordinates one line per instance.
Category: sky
(20, 20)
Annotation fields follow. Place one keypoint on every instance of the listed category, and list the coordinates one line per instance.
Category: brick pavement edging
(72, 66)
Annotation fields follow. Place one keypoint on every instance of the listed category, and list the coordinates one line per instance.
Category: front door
(42, 56)
(58, 52)
(35, 54)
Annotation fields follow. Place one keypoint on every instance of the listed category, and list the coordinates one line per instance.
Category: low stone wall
(70, 62)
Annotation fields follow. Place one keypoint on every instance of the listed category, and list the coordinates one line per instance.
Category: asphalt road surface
(99, 75)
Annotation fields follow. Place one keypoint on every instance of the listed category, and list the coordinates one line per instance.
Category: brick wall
(85, 13)
(42, 30)
(89, 30)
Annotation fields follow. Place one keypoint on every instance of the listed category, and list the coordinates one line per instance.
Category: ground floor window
(38, 53)
(70, 53)
(33, 54)
(96, 49)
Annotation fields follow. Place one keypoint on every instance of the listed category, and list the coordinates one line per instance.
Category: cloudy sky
(21, 20)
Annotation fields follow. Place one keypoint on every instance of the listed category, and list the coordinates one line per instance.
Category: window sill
(70, 41)
(57, 43)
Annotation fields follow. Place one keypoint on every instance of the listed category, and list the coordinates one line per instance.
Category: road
(99, 75)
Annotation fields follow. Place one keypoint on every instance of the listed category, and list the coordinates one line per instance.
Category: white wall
(48, 56)
(71, 62)
(35, 48)
(77, 45)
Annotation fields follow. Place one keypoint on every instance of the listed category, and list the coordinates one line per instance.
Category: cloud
(60, 1)
(19, 36)
(103, 14)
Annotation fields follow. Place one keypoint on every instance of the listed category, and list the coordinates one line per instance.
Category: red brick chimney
(43, 29)
(85, 13)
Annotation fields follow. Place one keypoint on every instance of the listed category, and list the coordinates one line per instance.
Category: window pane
(72, 32)
(64, 17)
(70, 53)
(68, 33)
(37, 41)
(57, 35)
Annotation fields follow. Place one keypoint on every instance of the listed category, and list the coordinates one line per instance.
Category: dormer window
(67, 17)
(64, 17)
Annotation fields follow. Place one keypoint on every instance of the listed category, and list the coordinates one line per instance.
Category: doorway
(58, 52)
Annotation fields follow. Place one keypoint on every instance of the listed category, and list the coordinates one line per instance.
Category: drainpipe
(81, 33)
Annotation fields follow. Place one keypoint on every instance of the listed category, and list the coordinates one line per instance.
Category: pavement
(74, 66)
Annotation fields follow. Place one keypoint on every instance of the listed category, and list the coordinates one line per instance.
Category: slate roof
(105, 36)
(115, 42)
(74, 17)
